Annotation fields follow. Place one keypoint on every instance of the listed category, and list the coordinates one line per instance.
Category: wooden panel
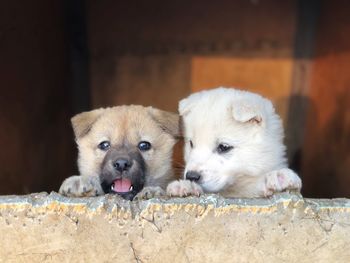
(148, 49)
(35, 134)
(117, 27)
(160, 81)
(326, 159)
(267, 76)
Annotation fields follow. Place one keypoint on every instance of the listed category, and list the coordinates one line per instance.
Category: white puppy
(233, 146)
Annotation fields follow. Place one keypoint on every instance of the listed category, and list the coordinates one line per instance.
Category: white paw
(81, 186)
(183, 188)
(281, 180)
(149, 192)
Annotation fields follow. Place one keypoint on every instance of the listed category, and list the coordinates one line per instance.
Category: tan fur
(122, 125)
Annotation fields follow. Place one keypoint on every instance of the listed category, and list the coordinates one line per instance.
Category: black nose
(122, 164)
(193, 176)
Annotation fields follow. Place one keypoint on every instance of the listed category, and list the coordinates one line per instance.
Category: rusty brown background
(61, 57)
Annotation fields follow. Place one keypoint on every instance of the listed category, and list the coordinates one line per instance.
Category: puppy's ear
(83, 122)
(248, 111)
(168, 121)
(185, 106)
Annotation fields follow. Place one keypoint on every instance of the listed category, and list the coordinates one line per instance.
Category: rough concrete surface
(284, 228)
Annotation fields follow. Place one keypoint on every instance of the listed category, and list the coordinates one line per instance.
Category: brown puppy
(125, 150)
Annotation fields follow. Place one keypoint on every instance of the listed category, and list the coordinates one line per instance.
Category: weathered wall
(285, 228)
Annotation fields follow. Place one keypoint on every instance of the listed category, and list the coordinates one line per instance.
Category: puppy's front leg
(81, 186)
(183, 188)
(281, 180)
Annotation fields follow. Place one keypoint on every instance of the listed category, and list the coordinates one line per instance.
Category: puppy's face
(129, 147)
(226, 138)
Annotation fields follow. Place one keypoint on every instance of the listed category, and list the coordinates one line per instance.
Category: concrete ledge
(285, 228)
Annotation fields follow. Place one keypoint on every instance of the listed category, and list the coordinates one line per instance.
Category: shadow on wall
(320, 155)
(294, 128)
(325, 163)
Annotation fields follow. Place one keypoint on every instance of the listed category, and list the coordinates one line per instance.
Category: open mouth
(122, 186)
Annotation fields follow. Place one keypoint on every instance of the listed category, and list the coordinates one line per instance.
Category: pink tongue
(122, 185)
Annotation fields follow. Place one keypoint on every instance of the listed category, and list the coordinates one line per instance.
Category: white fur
(249, 123)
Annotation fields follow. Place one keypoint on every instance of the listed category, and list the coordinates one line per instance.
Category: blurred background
(58, 58)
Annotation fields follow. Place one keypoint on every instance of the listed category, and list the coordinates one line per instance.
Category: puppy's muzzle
(123, 172)
(193, 176)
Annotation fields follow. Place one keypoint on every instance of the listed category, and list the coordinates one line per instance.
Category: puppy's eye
(191, 144)
(224, 148)
(144, 146)
(104, 146)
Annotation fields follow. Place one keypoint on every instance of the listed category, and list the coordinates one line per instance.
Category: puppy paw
(149, 192)
(281, 180)
(183, 188)
(81, 186)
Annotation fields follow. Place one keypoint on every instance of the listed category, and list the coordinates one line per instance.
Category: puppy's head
(229, 134)
(128, 147)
